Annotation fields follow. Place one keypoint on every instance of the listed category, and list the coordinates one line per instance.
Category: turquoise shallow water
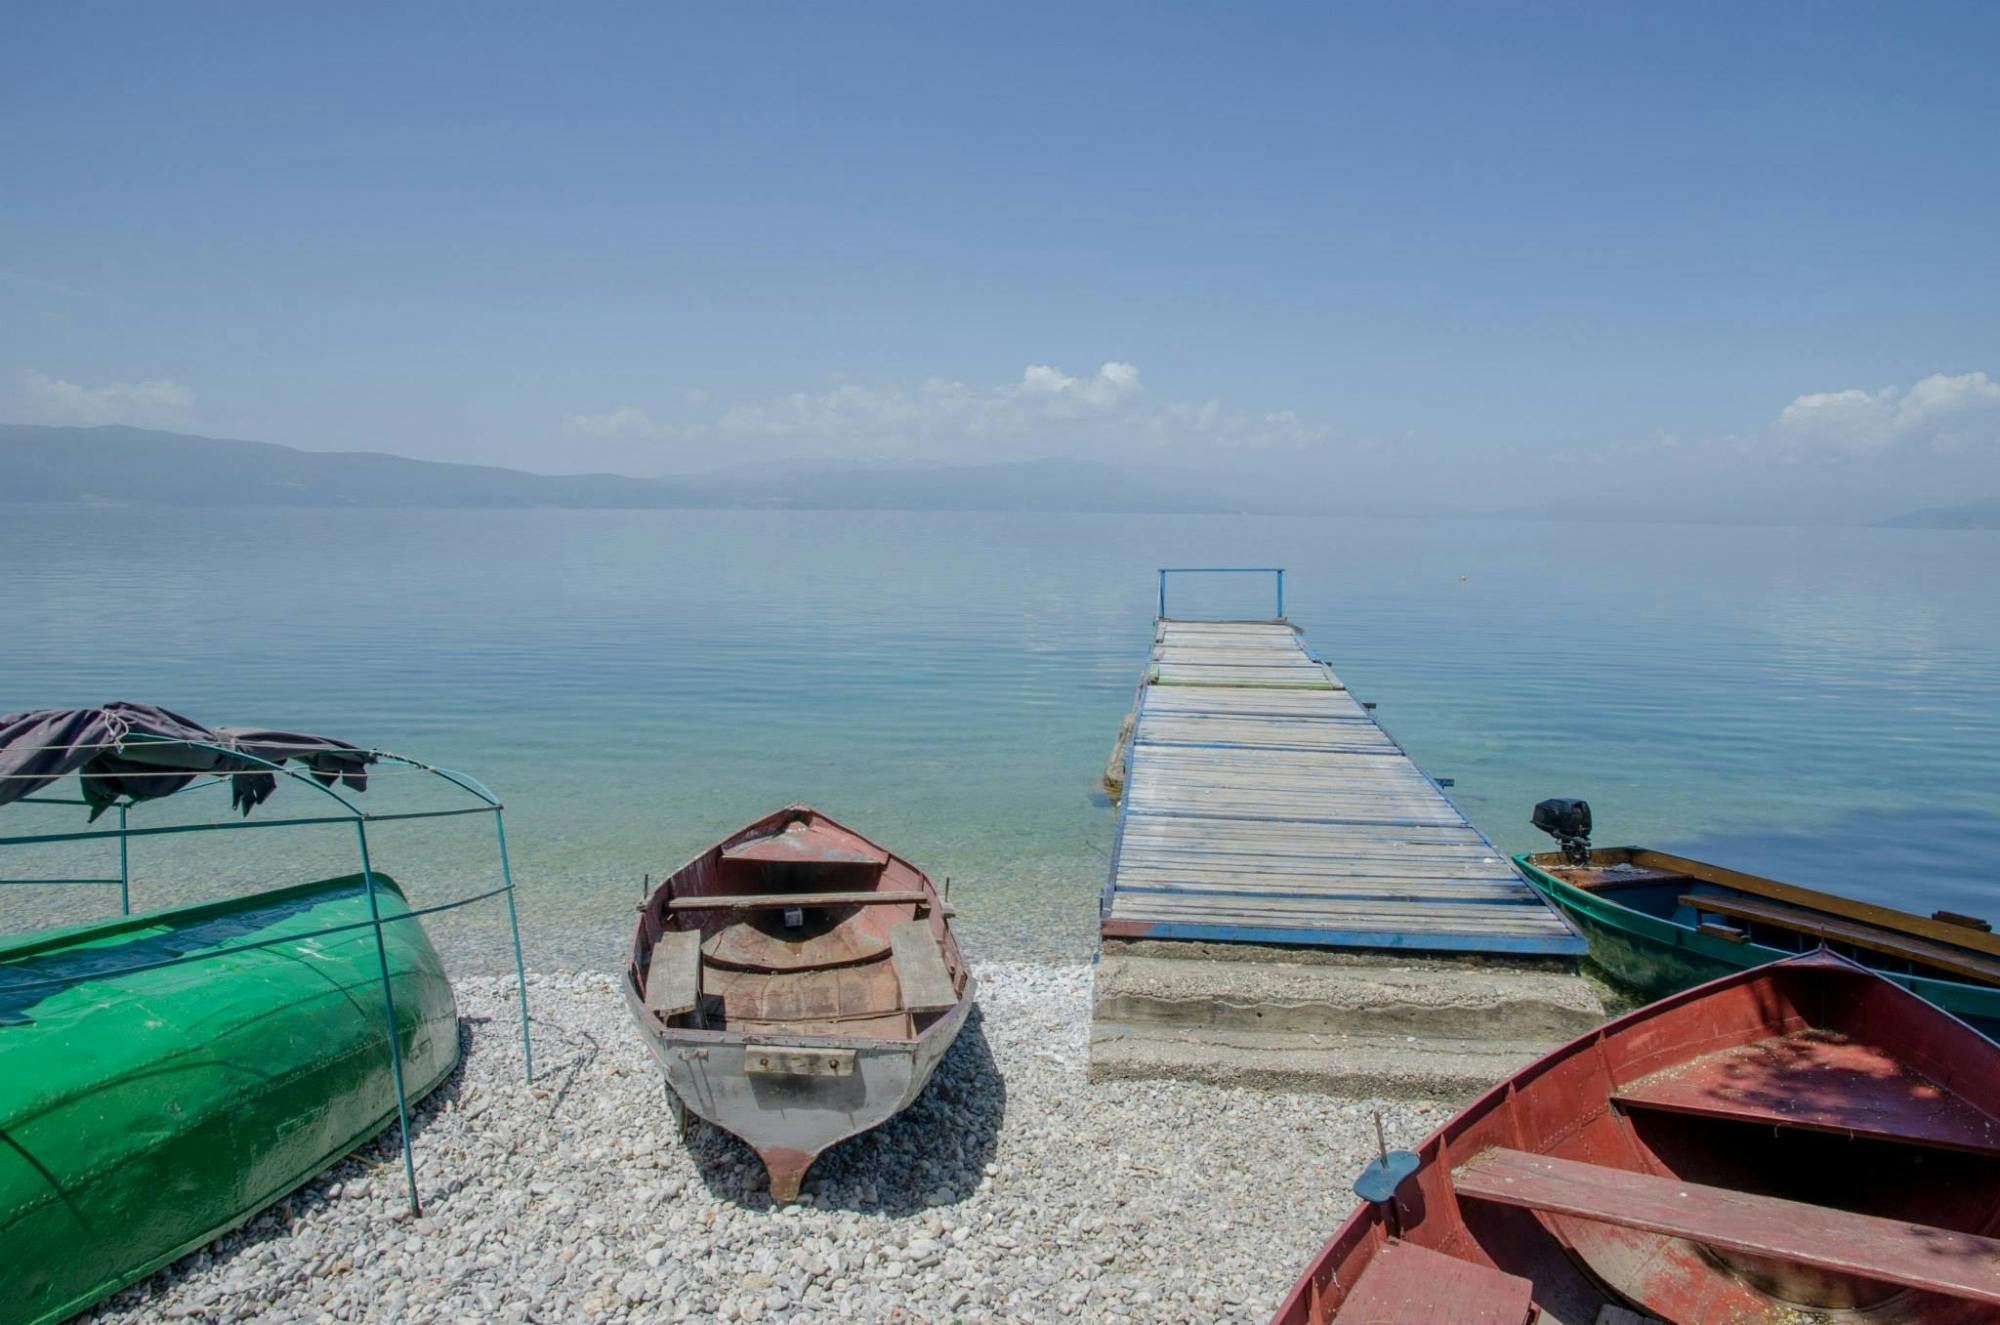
(1823, 704)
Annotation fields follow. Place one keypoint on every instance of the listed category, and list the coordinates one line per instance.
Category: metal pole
(124, 866)
(389, 1005)
(514, 923)
(1163, 595)
(1281, 595)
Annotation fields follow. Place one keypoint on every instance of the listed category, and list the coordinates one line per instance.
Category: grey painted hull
(789, 1120)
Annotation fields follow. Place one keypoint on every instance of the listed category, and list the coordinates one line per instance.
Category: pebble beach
(1014, 1189)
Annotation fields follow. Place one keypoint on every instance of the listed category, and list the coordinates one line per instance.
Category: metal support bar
(416, 913)
(124, 863)
(30, 883)
(389, 1008)
(514, 923)
(40, 838)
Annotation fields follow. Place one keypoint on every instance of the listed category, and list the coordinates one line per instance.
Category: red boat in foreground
(1803, 1143)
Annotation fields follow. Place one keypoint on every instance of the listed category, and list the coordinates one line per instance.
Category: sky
(1734, 259)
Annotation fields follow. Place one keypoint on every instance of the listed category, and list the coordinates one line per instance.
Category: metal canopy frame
(1278, 572)
(484, 802)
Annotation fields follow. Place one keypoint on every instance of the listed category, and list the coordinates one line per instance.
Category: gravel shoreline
(1013, 1190)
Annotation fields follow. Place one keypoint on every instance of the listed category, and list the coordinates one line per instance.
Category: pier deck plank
(1263, 804)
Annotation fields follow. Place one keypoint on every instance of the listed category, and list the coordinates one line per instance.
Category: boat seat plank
(1406, 1283)
(673, 976)
(1819, 1083)
(1885, 918)
(920, 968)
(1609, 878)
(773, 901)
(1940, 1260)
(1965, 965)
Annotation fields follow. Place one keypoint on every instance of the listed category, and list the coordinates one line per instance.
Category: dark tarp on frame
(141, 752)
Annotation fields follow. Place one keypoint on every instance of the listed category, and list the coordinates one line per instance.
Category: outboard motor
(1568, 822)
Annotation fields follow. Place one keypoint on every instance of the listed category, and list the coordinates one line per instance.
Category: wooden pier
(1263, 804)
(1293, 904)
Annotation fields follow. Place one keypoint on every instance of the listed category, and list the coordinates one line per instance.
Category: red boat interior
(1804, 1144)
(797, 926)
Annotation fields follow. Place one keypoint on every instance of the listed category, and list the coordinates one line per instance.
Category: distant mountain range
(1972, 515)
(141, 467)
(138, 466)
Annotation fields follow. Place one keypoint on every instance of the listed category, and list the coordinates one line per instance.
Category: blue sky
(1470, 254)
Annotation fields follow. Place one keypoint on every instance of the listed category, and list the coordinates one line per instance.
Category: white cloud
(1046, 411)
(1943, 411)
(625, 421)
(938, 408)
(46, 399)
(1114, 384)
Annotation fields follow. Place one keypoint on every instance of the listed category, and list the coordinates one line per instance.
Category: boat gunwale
(1562, 893)
(33, 943)
(1874, 914)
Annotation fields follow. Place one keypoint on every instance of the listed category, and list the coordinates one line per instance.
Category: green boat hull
(143, 1114)
(1650, 958)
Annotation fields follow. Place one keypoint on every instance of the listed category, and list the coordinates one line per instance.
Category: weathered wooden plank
(1339, 735)
(775, 901)
(1354, 888)
(920, 969)
(1302, 678)
(673, 975)
(1894, 1251)
(1386, 915)
(1956, 961)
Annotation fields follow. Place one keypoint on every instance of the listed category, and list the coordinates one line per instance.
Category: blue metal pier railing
(1276, 572)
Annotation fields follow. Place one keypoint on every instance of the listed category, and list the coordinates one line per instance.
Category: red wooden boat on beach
(798, 985)
(1804, 1143)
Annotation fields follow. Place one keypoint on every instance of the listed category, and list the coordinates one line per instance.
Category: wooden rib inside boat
(1805, 1143)
(798, 985)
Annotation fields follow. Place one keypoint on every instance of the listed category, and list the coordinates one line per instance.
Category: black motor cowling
(1568, 822)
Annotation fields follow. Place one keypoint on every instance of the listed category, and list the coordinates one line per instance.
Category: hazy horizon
(1719, 262)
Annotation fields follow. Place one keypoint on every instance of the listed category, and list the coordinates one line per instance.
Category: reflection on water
(636, 684)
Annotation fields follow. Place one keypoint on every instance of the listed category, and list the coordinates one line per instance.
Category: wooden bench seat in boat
(673, 977)
(773, 901)
(920, 968)
(1965, 965)
(1405, 1283)
(1820, 1083)
(1939, 1260)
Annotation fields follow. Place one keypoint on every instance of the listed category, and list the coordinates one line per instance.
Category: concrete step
(1370, 1024)
(1385, 996)
(1363, 1066)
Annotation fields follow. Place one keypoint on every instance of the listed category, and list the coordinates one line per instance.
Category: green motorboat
(145, 1112)
(1659, 923)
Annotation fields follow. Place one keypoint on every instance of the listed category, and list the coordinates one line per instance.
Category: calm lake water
(1821, 704)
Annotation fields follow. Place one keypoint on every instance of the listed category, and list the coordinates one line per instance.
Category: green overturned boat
(1660, 923)
(144, 1113)
(165, 1076)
